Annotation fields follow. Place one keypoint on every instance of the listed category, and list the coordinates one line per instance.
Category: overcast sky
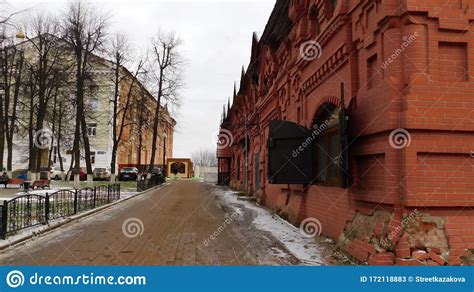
(216, 38)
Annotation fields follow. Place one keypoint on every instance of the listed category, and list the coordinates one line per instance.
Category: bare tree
(2, 117)
(6, 13)
(205, 157)
(29, 103)
(121, 55)
(6, 16)
(85, 30)
(166, 70)
(11, 63)
(143, 120)
(48, 63)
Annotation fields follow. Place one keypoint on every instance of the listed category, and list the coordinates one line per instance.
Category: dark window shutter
(290, 154)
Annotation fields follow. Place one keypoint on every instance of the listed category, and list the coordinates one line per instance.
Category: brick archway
(324, 100)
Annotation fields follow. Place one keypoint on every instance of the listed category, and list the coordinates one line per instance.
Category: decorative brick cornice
(324, 71)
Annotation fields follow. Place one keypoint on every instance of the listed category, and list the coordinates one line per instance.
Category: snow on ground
(307, 250)
(31, 231)
(36, 230)
(127, 194)
(123, 194)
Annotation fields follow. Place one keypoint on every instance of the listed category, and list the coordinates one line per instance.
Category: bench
(12, 181)
(41, 184)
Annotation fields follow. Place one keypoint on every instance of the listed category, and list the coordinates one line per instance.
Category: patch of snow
(125, 195)
(307, 250)
(42, 192)
(31, 231)
(36, 231)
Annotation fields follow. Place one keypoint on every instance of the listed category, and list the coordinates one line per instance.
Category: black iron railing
(147, 184)
(60, 204)
(30, 210)
(23, 212)
(85, 199)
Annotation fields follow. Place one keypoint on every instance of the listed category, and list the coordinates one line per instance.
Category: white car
(56, 173)
(102, 173)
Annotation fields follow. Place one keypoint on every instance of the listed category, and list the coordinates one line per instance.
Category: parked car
(158, 176)
(82, 174)
(156, 171)
(56, 173)
(128, 174)
(101, 173)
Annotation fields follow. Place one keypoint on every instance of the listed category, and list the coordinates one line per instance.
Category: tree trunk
(77, 151)
(53, 128)
(31, 142)
(83, 126)
(42, 103)
(155, 124)
(3, 102)
(2, 134)
(114, 120)
(11, 129)
(58, 140)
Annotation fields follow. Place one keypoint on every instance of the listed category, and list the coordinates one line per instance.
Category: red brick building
(385, 161)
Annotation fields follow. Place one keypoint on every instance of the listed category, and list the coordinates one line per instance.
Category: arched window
(314, 21)
(330, 6)
(328, 146)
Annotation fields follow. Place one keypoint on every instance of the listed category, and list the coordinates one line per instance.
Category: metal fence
(30, 210)
(147, 184)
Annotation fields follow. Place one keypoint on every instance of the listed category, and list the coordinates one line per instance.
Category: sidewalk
(183, 223)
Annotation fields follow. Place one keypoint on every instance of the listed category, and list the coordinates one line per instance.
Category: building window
(328, 146)
(314, 20)
(92, 130)
(330, 6)
(94, 103)
(371, 63)
(92, 157)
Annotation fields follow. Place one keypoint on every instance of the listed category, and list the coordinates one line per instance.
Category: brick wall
(405, 67)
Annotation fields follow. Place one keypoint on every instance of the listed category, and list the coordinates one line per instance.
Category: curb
(53, 226)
